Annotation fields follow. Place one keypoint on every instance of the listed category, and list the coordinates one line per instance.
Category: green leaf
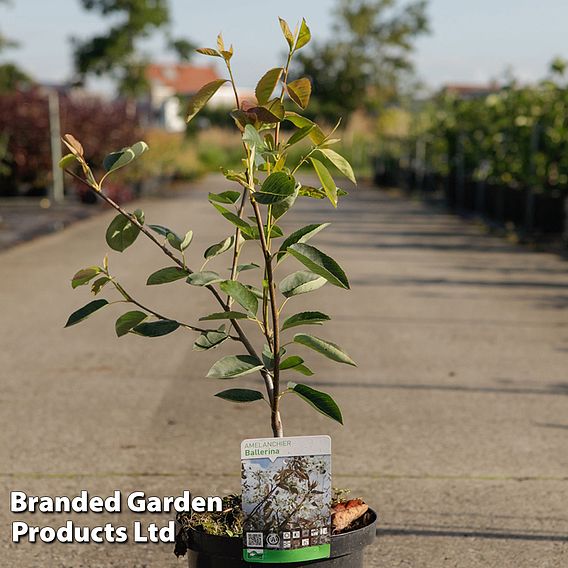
(300, 92)
(117, 160)
(300, 134)
(156, 328)
(276, 187)
(300, 236)
(253, 234)
(316, 135)
(210, 339)
(291, 362)
(67, 160)
(161, 230)
(340, 163)
(256, 291)
(320, 263)
(224, 315)
(232, 218)
(234, 366)
(252, 139)
(175, 240)
(240, 395)
(186, 240)
(99, 284)
(267, 84)
(304, 36)
(219, 248)
(244, 267)
(201, 98)
(127, 321)
(85, 312)
(205, 278)
(281, 208)
(303, 370)
(84, 276)
(305, 318)
(287, 32)
(330, 350)
(312, 192)
(321, 401)
(300, 282)
(241, 294)
(326, 181)
(318, 192)
(166, 275)
(122, 232)
(139, 148)
(230, 197)
(268, 357)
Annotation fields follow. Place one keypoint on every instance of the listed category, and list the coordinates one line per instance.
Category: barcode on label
(255, 540)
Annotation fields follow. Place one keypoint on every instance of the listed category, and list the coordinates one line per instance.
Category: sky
(471, 41)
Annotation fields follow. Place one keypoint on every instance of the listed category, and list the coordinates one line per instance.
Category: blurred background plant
(500, 152)
(502, 133)
(11, 75)
(356, 75)
(24, 116)
(367, 61)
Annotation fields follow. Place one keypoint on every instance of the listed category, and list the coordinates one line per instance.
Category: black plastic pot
(347, 550)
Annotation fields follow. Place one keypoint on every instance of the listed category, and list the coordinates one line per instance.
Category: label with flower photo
(286, 489)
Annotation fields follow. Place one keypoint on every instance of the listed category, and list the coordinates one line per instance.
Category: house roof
(470, 90)
(184, 79)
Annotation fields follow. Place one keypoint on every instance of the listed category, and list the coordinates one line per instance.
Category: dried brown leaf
(343, 514)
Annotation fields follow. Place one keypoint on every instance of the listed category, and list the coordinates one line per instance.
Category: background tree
(116, 53)
(367, 57)
(11, 76)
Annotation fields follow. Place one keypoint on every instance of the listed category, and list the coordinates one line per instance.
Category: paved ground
(25, 218)
(456, 418)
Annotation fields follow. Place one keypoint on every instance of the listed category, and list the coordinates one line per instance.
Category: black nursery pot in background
(347, 550)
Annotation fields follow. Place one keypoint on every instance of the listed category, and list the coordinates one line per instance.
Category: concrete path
(26, 218)
(456, 418)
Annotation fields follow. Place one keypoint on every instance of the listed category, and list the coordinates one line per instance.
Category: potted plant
(267, 190)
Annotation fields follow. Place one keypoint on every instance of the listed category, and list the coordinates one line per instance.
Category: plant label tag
(286, 489)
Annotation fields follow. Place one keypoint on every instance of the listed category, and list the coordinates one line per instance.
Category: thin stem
(132, 218)
(237, 248)
(284, 80)
(128, 298)
(272, 382)
(276, 421)
(242, 336)
(304, 159)
(228, 63)
(282, 306)
(314, 149)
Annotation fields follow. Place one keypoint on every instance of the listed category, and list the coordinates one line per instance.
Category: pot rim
(232, 546)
